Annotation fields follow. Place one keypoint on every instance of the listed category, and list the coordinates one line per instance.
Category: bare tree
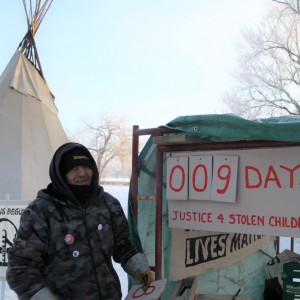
(268, 78)
(109, 141)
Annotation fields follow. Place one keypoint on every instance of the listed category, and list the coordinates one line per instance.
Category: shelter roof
(228, 127)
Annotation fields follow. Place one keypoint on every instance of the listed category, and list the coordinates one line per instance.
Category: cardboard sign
(153, 292)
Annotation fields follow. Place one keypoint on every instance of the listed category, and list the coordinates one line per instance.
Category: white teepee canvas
(30, 130)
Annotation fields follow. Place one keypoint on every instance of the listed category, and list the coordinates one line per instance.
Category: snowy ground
(121, 193)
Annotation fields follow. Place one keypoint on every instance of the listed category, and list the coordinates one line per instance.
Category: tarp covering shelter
(227, 127)
(248, 274)
(30, 130)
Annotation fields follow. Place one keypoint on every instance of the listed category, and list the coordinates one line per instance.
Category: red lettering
(253, 177)
(272, 176)
(225, 177)
(247, 178)
(291, 174)
(140, 292)
(192, 216)
(182, 178)
(288, 222)
(175, 215)
(204, 177)
(188, 216)
(249, 220)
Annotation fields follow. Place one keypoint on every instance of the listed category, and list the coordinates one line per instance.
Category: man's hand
(137, 267)
(145, 278)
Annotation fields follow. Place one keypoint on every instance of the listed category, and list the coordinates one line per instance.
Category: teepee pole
(34, 15)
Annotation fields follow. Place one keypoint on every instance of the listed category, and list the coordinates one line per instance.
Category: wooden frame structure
(168, 143)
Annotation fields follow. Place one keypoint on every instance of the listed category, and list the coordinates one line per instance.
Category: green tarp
(226, 128)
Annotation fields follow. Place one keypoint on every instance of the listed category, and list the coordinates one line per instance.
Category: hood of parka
(58, 180)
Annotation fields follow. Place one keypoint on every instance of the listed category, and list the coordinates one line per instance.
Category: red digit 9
(224, 173)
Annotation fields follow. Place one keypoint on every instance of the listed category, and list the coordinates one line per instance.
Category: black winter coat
(68, 247)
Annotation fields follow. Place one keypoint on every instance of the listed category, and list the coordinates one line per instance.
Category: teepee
(30, 130)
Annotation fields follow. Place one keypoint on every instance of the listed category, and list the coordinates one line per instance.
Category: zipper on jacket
(91, 251)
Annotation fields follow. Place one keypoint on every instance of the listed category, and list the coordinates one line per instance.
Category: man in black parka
(68, 235)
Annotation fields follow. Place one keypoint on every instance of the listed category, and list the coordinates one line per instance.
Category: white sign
(225, 178)
(192, 178)
(178, 178)
(195, 252)
(153, 292)
(10, 213)
(267, 201)
(200, 177)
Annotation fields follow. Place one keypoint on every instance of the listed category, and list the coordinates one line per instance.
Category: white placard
(194, 252)
(10, 213)
(177, 178)
(267, 195)
(225, 178)
(153, 292)
(200, 177)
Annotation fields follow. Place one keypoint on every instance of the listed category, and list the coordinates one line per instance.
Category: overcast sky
(148, 60)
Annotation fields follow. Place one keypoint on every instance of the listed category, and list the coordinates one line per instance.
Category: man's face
(80, 175)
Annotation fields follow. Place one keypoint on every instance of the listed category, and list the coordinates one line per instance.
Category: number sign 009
(202, 178)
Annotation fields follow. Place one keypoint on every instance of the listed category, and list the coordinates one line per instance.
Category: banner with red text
(194, 252)
(252, 191)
